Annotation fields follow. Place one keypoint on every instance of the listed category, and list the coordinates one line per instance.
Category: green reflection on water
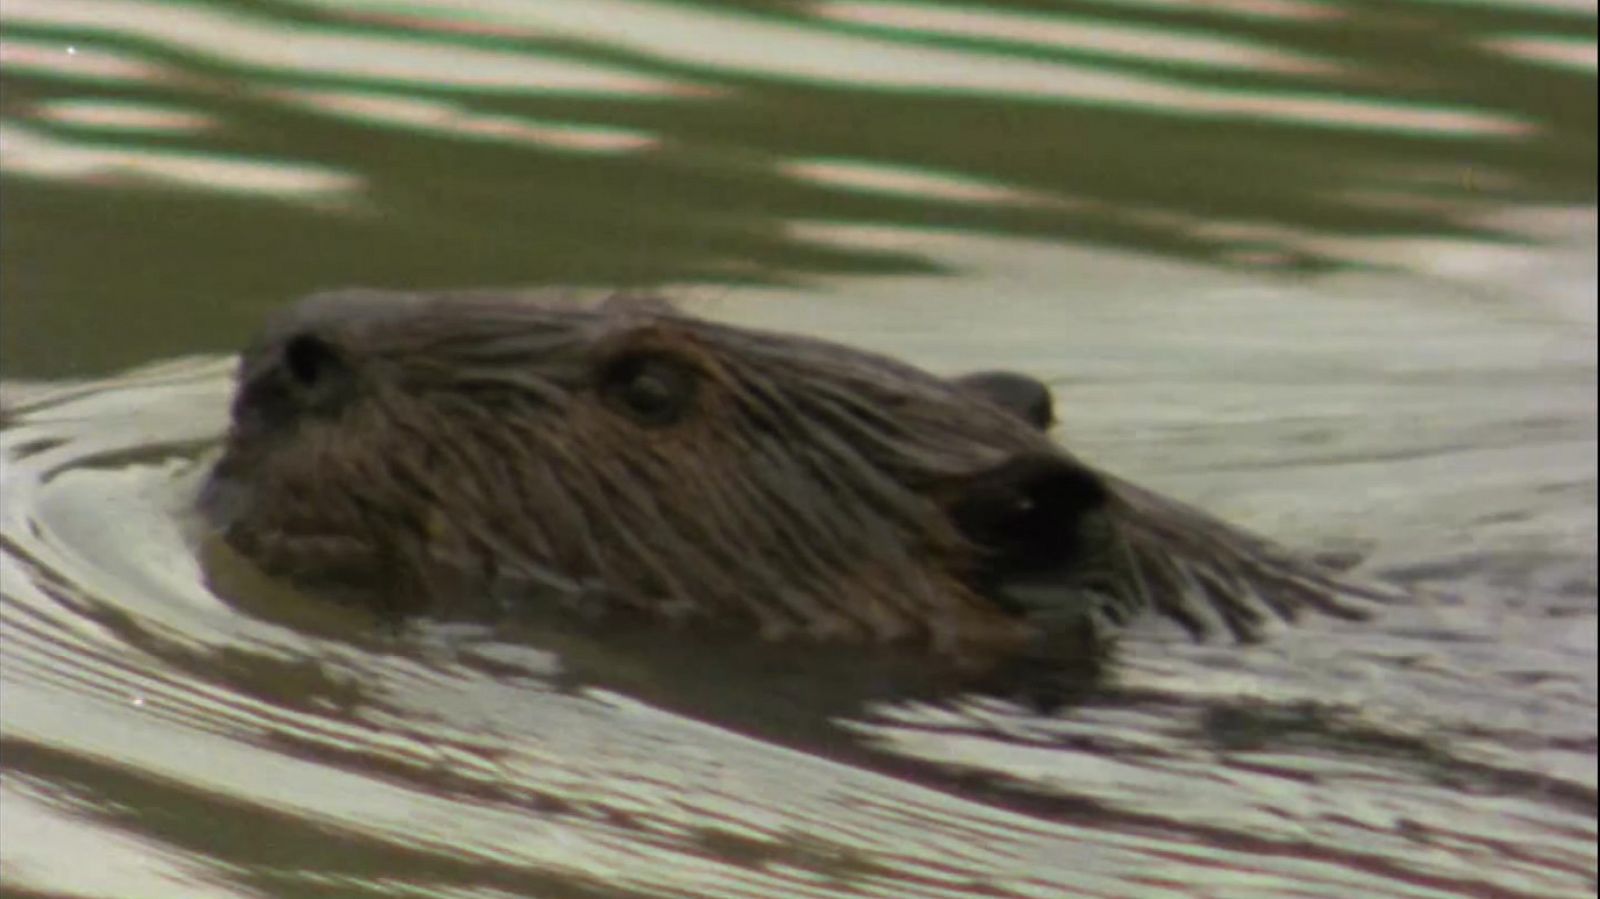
(681, 145)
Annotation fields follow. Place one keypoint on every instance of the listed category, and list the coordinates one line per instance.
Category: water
(1325, 269)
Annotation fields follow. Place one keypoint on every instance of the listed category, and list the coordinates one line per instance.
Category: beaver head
(438, 452)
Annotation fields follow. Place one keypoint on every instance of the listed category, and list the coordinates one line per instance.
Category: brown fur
(454, 454)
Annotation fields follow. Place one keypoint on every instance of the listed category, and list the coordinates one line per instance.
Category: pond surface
(1324, 268)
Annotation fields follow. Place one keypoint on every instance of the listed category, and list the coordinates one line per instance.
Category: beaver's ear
(1027, 515)
(1025, 397)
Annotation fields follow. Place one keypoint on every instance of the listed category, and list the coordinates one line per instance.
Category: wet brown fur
(456, 454)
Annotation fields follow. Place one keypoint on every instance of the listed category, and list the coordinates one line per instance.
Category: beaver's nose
(285, 379)
(308, 356)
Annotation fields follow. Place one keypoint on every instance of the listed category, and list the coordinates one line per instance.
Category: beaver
(460, 454)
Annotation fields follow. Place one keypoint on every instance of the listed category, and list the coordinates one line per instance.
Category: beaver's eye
(653, 390)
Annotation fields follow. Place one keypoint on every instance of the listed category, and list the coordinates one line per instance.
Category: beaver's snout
(309, 357)
(300, 375)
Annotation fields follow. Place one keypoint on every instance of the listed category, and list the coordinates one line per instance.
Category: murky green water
(1326, 268)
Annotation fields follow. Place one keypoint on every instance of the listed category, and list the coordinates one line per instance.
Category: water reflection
(1096, 36)
(263, 47)
(617, 142)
